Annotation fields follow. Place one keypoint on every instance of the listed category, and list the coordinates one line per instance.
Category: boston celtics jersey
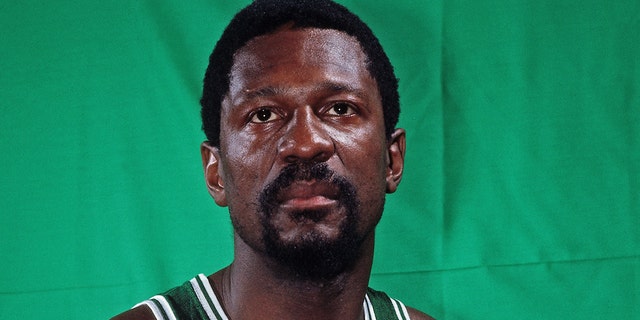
(195, 300)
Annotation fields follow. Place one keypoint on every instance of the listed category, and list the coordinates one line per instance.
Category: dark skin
(298, 95)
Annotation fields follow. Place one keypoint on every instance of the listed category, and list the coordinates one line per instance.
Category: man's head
(304, 156)
(263, 17)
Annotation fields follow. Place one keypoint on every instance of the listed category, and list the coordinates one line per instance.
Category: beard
(312, 256)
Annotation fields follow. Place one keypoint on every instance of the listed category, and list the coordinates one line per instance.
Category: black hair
(265, 16)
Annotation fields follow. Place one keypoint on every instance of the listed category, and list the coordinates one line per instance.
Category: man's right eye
(263, 115)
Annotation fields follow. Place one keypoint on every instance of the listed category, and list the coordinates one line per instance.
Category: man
(299, 107)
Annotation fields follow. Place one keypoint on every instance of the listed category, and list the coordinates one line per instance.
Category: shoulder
(418, 315)
(141, 312)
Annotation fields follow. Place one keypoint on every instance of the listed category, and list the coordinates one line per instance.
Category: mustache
(304, 171)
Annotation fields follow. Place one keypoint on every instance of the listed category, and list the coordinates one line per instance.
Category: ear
(396, 148)
(212, 173)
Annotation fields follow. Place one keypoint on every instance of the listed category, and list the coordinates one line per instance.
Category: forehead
(288, 52)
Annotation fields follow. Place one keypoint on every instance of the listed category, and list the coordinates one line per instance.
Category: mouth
(308, 195)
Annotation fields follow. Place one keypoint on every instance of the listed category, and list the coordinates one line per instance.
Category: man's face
(304, 163)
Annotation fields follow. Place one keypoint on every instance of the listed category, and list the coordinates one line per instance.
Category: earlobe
(212, 173)
(396, 149)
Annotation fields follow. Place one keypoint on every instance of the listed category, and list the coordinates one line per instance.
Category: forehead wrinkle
(332, 87)
(340, 87)
(264, 92)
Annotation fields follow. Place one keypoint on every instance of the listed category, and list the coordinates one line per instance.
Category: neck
(256, 285)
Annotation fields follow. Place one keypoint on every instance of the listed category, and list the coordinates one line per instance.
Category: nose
(305, 138)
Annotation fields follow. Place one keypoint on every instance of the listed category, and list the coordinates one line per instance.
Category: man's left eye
(341, 109)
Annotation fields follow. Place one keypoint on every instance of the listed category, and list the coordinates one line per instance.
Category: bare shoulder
(418, 315)
(140, 313)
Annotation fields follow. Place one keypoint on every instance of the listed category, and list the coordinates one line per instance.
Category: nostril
(307, 147)
(291, 159)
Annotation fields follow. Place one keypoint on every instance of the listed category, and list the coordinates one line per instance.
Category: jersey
(196, 300)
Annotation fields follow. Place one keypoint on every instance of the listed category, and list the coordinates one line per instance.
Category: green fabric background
(521, 197)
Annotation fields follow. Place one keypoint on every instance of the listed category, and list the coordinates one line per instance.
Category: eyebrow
(330, 86)
(340, 87)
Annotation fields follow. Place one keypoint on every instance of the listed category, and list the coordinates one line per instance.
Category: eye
(263, 115)
(341, 109)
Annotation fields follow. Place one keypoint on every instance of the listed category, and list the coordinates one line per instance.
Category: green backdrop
(521, 197)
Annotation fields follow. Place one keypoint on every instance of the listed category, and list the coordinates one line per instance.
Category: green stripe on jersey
(206, 296)
(160, 308)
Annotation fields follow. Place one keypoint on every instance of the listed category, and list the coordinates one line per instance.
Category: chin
(315, 255)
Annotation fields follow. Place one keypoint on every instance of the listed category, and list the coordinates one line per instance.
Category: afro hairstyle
(265, 16)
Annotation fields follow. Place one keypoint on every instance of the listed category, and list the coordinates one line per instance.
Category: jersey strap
(196, 300)
(193, 300)
(379, 306)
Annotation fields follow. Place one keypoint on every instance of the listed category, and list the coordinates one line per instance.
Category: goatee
(313, 256)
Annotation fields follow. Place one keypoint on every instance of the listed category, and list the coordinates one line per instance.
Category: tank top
(196, 300)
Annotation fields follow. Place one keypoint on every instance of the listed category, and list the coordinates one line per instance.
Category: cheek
(242, 187)
(366, 166)
(240, 153)
(246, 167)
(364, 152)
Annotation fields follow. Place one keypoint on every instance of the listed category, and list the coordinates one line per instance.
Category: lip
(306, 195)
